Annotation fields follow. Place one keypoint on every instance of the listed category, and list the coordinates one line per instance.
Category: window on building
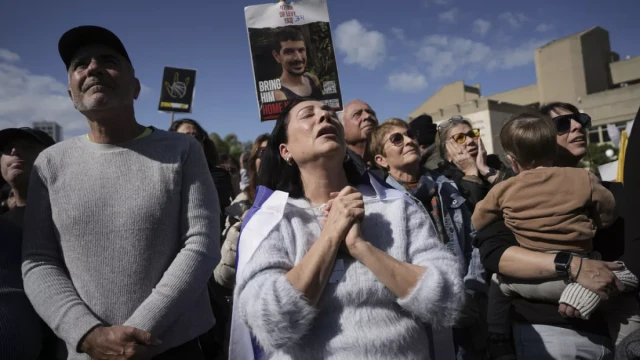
(600, 134)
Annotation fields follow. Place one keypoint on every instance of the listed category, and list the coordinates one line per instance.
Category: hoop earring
(346, 157)
(289, 161)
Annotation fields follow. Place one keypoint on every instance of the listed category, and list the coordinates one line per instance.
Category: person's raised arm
(186, 277)
(429, 284)
(312, 273)
(276, 298)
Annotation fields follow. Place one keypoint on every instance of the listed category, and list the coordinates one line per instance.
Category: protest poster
(176, 93)
(292, 54)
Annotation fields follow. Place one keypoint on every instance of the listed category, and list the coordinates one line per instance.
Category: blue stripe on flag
(262, 194)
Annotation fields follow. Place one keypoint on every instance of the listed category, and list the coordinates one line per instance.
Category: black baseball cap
(81, 36)
(425, 129)
(25, 132)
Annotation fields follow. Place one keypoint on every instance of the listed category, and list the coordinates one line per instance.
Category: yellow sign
(624, 140)
(174, 105)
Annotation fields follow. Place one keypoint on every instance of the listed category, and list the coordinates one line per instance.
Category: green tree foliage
(323, 65)
(230, 145)
(596, 156)
(221, 145)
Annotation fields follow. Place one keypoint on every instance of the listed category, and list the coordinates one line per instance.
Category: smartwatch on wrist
(489, 173)
(563, 264)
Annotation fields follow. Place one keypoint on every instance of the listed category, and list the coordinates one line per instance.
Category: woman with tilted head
(352, 269)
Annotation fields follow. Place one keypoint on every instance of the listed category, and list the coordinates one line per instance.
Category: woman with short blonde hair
(395, 149)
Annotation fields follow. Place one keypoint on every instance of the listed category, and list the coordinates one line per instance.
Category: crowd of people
(335, 237)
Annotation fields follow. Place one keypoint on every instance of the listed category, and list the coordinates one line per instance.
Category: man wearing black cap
(426, 131)
(20, 147)
(22, 333)
(122, 224)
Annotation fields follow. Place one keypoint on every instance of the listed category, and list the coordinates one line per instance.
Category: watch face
(562, 258)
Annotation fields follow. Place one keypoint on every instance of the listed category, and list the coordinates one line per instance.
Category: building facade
(579, 69)
(50, 127)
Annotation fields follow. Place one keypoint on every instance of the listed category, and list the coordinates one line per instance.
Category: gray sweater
(122, 235)
(357, 317)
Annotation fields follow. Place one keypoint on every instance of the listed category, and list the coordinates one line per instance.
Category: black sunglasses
(397, 139)
(563, 122)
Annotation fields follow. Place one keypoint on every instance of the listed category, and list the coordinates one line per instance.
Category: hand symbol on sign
(178, 89)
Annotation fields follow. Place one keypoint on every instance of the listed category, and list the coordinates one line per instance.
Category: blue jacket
(457, 224)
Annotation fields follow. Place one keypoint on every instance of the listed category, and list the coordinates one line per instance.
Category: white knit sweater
(358, 317)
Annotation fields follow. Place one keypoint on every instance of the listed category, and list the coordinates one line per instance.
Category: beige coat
(225, 271)
(549, 209)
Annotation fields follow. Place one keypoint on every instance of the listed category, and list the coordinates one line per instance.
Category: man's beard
(85, 102)
(293, 72)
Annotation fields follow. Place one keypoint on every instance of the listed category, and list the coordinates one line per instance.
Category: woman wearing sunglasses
(572, 127)
(225, 272)
(465, 159)
(546, 331)
(395, 150)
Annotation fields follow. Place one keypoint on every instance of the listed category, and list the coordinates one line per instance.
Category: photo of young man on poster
(290, 51)
(292, 55)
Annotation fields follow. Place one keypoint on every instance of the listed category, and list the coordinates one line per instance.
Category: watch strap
(563, 269)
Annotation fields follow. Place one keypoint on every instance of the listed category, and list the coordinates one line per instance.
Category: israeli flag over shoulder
(264, 215)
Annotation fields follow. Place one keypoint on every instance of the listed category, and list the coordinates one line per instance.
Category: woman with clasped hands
(349, 272)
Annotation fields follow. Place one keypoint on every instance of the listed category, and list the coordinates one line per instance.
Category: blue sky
(393, 55)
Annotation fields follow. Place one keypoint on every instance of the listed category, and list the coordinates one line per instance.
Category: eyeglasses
(461, 138)
(397, 139)
(563, 122)
(446, 123)
(260, 152)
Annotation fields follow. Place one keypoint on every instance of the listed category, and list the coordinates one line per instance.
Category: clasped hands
(343, 214)
(118, 343)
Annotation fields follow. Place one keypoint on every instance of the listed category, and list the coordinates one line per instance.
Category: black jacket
(631, 203)
(224, 188)
(473, 189)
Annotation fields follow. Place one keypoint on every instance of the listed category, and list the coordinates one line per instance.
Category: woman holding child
(539, 331)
